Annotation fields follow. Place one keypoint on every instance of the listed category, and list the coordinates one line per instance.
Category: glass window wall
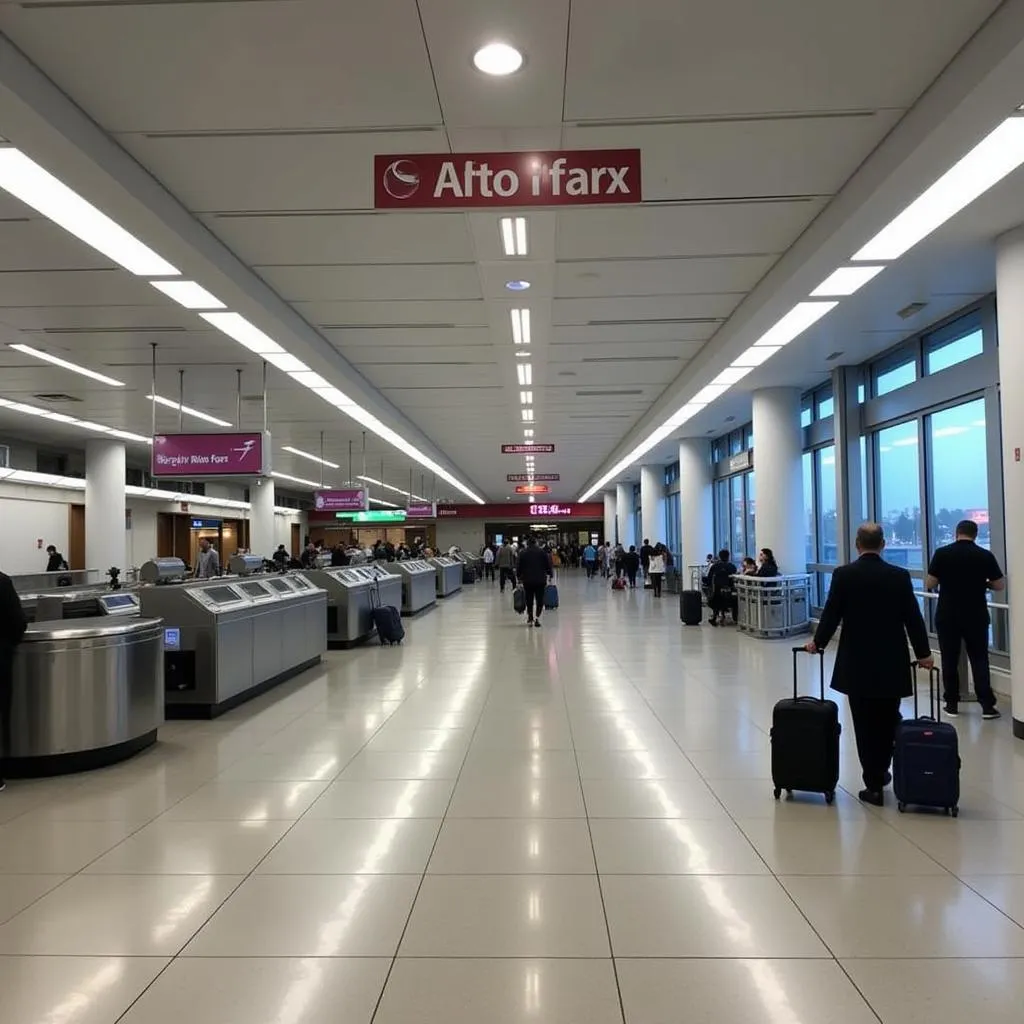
(958, 472)
(898, 492)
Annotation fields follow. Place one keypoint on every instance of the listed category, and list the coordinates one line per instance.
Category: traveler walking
(656, 568)
(590, 560)
(506, 562)
(208, 562)
(645, 555)
(534, 570)
(12, 629)
(489, 562)
(55, 561)
(631, 563)
(620, 560)
(963, 572)
(875, 603)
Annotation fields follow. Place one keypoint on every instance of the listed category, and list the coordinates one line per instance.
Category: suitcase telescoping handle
(797, 651)
(934, 698)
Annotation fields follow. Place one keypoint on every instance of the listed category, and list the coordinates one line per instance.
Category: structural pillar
(261, 518)
(696, 515)
(652, 503)
(624, 514)
(1010, 313)
(105, 535)
(778, 447)
(609, 516)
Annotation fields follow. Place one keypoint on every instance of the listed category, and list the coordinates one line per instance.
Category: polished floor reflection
(572, 825)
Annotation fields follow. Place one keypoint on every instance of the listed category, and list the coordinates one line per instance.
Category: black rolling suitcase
(926, 757)
(805, 740)
(387, 618)
(691, 607)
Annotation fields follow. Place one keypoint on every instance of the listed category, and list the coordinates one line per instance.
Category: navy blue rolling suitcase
(387, 619)
(551, 596)
(926, 757)
(805, 740)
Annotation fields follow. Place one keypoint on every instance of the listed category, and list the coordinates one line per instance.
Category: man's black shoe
(875, 797)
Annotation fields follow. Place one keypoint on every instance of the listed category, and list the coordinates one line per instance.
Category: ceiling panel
(37, 244)
(689, 58)
(397, 375)
(422, 339)
(294, 64)
(627, 310)
(339, 314)
(433, 282)
(76, 288)
(96, 318)
(595, 278)
(347, 238)
(405, 355)
(607, 335)
(706, 229)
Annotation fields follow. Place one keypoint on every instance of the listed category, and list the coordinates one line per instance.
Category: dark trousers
(534, 598)
(6, 696)
(618, 569)
(506, 575)
(590, 569)
(973, 636)
(631, 573)
(489, 571)
(656, 578)
(874, 724)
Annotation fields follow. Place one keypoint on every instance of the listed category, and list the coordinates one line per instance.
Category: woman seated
(767, 566)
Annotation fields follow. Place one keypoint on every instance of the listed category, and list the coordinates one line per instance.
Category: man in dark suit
(876, 605)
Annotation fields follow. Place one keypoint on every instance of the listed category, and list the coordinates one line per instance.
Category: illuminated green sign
(383, 515)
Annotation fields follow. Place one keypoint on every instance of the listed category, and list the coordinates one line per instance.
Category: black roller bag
(926, 757)
(805, 740)
(387, 619)
(691, 607)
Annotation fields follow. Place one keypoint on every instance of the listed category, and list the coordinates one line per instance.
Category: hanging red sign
(525, 478)
(527, 449)
(579, 177)
(532, 489)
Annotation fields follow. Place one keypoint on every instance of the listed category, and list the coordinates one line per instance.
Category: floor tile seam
(433, 848)
(982, 896)
(593, 853)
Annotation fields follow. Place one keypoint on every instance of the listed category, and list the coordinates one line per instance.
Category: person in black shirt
(721, 590)
(645, 555)
(12, 629)
(55, 560)
(631, 563)
(963, 573)
(767, 567)
(534, 570)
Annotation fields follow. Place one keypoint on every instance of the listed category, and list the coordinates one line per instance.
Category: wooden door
(76, 537)
(296, 540)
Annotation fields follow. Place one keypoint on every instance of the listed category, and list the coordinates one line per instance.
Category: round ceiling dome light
(497, 59)
(517, 286)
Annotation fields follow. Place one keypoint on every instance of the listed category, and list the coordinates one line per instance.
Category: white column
(609, 516)
(624, 514)
(105, 536)
(779, 502)
(652, 503)
(261, 518)
(1010, 306)
(696, 515)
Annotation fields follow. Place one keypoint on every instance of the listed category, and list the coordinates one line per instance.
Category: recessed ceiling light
(497, 59)
(187, 411)
(308, 455)
(513, 235)
(188, 294)
(517, 286)
(845, 281)
(28, 350)
(520, 326)
(316, 484)
(235, 326)
(526, 398)
(794, 323)
(524, 372)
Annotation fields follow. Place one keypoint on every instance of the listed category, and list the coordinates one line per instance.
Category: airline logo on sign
(527, 449)
(525, 478)
(551, 510)
(532, 489)
(562, 178)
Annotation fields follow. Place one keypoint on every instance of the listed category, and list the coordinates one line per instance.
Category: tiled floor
(571, 825)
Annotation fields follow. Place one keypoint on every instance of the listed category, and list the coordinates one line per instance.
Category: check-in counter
(86, 694)
(348, 610)
(228, 640)
(449, 575)
(86, 603)
(388, 583)
(419, 585)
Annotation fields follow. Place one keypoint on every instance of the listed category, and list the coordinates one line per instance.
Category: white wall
(24, 520)
(468, 534)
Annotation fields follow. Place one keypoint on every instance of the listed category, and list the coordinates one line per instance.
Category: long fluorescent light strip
(802, 316)
(524, 373)
(73, 367)
(513, 236)
(315, 484)
(997, 155)
(187, 410)
(188, 294)
(845, 281)
(248, 335)
(89, 425)
(388, 487)
(521, 334)
(36, 187)
(308, 455)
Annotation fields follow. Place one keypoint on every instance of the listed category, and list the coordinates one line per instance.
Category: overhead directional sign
(556, 178)
(532, 489)
(525, 478)
(527, 449)
(374, 515)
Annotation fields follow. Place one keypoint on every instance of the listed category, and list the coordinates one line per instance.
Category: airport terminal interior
(315, 316)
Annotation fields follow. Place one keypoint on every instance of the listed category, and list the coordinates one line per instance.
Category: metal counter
(227, 641)
(449, 575)
(348, 611)
(773, 607)
(419, 585)
(389, 584)
(85, 695)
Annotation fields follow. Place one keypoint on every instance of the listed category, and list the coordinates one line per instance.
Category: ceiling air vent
(832, 357)
(56, 396)
(912, 310)
(606, 394)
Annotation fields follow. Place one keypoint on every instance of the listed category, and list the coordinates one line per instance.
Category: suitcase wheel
(901, 807)
(955, 811)
(778, 792)
(830, 797)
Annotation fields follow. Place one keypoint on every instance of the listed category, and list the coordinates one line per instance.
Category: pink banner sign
(421, 510)
(341, 501)
(192, 455)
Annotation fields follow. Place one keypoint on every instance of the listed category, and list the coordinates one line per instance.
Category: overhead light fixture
(187, 411)
(845, 281)
(513, 235)
(36, 353)
(188, 294)
(991, 160)
(309, 379)
(794, 323)
(731, 375)
(56, 417)
(308, 455)
(527, 415)
(517, 286)
(388, 487)
(248, 335)
(523, 354)
(524, 372)
(287, 363)
(710, 393)
(497, 59)
(526, 398)
(381, 501)
(528, 432)
(755, 356)
(315, 484)
(520, 326)
(36, 187)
